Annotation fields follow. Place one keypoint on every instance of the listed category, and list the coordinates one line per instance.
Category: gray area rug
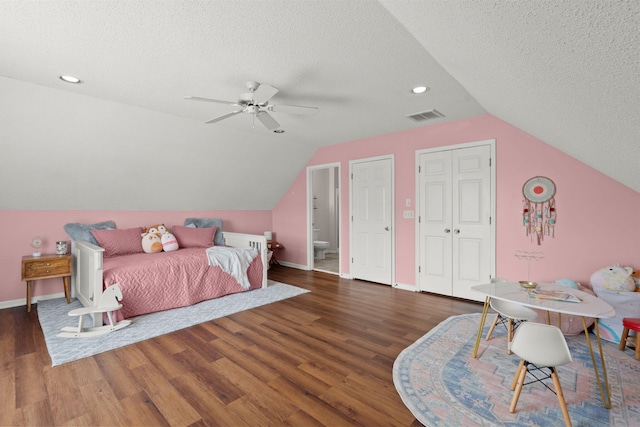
(53, 315)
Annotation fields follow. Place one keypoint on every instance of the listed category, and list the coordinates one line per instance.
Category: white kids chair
(509, 314)
(541, 348)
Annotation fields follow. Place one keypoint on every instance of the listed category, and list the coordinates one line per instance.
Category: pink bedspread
(165, 280)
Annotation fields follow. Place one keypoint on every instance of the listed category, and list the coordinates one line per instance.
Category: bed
(161, 281)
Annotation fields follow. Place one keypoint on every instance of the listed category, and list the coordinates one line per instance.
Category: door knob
(456, 231)
(386, 228)
(447, 230)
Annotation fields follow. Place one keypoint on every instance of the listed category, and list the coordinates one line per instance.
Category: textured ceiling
(566, 73)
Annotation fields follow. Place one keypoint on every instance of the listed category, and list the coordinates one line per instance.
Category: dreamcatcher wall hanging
(539, 208)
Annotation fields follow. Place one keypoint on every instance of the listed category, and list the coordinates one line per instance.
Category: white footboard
(87, 283)
(240, 240)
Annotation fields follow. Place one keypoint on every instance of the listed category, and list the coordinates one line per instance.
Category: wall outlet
(407, 214)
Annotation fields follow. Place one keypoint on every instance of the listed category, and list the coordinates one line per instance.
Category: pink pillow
(189, 237)
(119, 241)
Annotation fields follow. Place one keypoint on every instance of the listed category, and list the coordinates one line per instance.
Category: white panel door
(471, 235)
(436, 223)
(371, 220)
(455, 221)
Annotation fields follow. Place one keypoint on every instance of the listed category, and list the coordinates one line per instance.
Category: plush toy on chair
(616, 286)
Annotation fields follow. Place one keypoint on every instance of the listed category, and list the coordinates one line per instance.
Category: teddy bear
(152, 238)
(168, 242)
(151, 243)
(158, 229)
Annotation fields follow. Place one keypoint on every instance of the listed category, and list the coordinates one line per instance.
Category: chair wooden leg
(515, 377)
(563, 404)
(493, 325)
(623, 339)
(516, 395)
(509, 334)
(637, 345)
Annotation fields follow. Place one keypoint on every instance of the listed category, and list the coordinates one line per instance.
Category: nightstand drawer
(49, 267)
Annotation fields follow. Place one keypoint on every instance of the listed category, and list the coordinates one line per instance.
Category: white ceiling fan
(256, 103)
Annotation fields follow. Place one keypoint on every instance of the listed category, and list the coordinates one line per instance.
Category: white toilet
(319, 246)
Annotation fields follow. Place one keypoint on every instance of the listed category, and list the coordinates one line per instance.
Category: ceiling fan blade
(267, 120)
(264, 93)
(217, 101)
(225, 116)
(293, 109)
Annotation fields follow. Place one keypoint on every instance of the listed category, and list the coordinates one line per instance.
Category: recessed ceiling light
(70, 79)
(278, 131)
(419, 89)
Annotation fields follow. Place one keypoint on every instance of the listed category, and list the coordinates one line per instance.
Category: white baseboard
(292, 265)
(21, 301)
(405, 287)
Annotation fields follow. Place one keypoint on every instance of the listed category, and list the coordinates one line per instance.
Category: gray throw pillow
(82, 232)
(218, 240)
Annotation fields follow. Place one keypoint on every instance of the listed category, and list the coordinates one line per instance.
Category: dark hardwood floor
(319, 359)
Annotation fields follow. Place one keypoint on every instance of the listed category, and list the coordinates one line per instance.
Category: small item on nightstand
(36, 242)
(61, 247)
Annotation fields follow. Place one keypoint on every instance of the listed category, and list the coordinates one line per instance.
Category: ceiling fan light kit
(256, 103)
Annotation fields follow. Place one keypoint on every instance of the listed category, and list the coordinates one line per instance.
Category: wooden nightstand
(274, 246)
(46, 267)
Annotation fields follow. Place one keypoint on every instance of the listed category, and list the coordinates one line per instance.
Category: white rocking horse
(108, 303)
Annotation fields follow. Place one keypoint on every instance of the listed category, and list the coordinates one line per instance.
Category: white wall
(62, 151)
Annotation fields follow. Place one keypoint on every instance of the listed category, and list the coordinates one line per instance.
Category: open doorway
(323, 193)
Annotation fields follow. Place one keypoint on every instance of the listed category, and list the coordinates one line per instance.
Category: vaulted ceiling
(565, 72)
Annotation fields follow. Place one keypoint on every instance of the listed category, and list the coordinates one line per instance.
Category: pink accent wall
(597, 222)
(19, 227)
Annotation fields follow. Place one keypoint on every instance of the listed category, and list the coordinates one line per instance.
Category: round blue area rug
(443, 385)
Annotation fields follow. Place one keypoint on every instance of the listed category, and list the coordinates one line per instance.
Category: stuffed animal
(169, 242)
(614, 278)
(615, 285)
(636, 278)
(151, 243)
(158, 229)
(568, 283)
